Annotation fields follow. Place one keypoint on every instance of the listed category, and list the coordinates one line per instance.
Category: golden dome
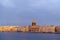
(33, 23)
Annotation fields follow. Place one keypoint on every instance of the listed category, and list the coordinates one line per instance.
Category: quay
(31, 28)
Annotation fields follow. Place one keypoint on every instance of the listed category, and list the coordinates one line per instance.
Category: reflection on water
(28, 36)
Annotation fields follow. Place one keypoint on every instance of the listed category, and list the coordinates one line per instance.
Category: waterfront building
(5, 29)
(23, 29)
(19, 29)
(57, 28)
(40, 29)
(34, 27)
(1, 28)
(13, 28)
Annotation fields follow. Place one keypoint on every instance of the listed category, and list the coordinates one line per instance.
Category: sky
(22, 12)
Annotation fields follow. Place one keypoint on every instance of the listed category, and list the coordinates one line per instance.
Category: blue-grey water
(28, 36)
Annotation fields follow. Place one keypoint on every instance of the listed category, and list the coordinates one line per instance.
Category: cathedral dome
(33, 23)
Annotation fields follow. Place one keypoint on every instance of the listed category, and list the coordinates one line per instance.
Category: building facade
(32, 28)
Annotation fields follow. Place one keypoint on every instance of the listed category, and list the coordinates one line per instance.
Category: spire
(33, 21)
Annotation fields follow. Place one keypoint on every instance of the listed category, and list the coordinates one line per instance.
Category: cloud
(7, 3)
(49, 6)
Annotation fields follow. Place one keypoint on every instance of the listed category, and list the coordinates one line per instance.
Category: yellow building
(57, 29)
(32, 28)
(13, 28)
(47, 29)
(23, 29)
(1, 28)
(19, 29)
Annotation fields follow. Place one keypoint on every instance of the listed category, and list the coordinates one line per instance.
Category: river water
(28, 36)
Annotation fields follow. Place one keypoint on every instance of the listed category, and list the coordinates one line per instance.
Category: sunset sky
(22, 12)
